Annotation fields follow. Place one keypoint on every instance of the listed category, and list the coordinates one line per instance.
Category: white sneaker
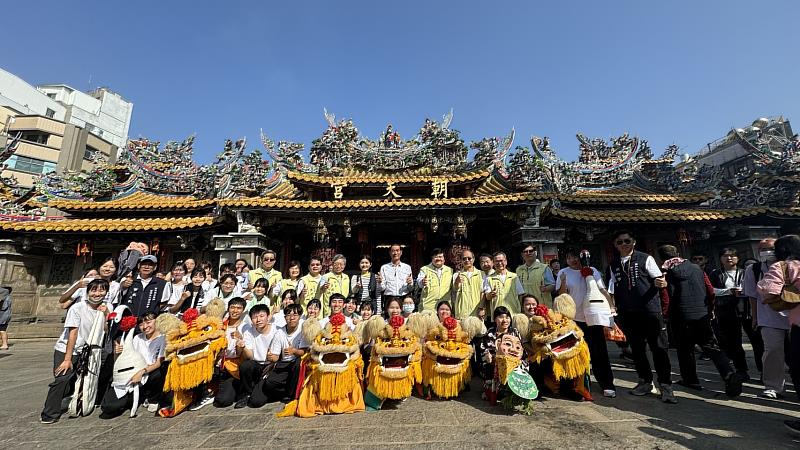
(770, 393)
(152, 407)
(610, 393)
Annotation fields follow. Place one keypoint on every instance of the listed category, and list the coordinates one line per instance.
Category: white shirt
(283, 340)
(393, 279)
(150, 350)
(259, 343)
(175, 291)
(278, 319)
(650, 266)
(730, 282)
(347, 320)
(576, 286)
(79, 316)
(230, 351)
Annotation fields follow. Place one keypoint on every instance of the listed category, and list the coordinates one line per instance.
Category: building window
(52, 95)
(61, 269)
(50, 113)
(30, 165)
(36, 137)
(87, 154)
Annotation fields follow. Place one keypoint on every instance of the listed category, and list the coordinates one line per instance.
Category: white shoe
(152, 407)
(770, 393)
(609, 393)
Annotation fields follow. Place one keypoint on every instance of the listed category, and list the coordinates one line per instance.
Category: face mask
(766, 255)
(408, 308)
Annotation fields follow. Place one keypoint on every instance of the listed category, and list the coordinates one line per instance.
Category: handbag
(614, 334)
(790, 295)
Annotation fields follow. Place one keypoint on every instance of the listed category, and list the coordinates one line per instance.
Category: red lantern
(84, 249)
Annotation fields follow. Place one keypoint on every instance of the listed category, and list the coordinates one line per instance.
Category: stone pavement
(704, 419)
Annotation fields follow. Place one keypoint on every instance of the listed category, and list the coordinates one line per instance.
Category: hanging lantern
(434, 223)
(84, 249)
(155, 246)
(363, 236)
(460, 228)
(684, 238)
(348, 229)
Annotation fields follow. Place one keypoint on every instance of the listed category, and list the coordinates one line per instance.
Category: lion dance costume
(193, 345)
(332, 371)
(395, 362)
(446, 355)
(557, 339)
(512, 383)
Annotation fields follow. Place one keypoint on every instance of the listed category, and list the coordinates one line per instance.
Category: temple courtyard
(705, 419)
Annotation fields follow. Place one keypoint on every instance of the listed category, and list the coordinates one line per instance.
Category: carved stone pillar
(247, 246)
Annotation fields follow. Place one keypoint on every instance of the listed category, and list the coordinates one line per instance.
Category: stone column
(233, 246)
(530, 232)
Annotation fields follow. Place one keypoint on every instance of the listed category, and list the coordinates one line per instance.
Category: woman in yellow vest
(536, 277)
(468, 287)
(435, 280)
(308, 286)
(334, 282)
(503, 288)
(291, 280)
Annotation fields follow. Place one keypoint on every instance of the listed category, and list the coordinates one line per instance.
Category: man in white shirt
(396, 276)
(257, 340)
(287, 347)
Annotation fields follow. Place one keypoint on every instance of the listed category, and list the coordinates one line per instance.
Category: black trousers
(601, 364)
(152, 391)
(728, 326)
(230, 389)
(643, 329)
(250, 372)
(794, 355)
(280, 383)
(58, 388)
(689, 333)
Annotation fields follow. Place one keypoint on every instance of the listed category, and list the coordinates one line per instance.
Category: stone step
(35, 327)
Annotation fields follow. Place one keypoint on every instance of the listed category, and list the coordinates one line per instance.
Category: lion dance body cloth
(446, 355)
(193, 345)
(333, 371)
(395, 363)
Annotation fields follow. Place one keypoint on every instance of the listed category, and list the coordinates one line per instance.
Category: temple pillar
(246, 243)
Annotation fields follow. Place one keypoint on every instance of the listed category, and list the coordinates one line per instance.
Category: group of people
(265, 309)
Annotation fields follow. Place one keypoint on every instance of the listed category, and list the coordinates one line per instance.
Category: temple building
(356, 196)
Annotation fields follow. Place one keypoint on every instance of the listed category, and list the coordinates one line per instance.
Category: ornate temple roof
(380, 204)
(632, 194)
(353, 176)
(137, 201)
(110, 225)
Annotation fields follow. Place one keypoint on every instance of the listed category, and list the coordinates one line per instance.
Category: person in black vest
(144, 293)
(635, 280)
(732, 312)
(691, 302)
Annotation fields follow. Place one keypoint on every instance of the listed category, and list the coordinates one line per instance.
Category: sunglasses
(624, 241)
(467, 258)
(268, 259)
(528, 251)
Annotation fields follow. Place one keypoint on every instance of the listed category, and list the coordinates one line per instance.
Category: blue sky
(681, 72)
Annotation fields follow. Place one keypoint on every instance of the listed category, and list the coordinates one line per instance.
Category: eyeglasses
(268, 259)
(468, 258)
(624, 241)
(528, 250)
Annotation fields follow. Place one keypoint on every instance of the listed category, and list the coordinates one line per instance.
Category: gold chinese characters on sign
(337, 190)
(390, 190)
(439, 189)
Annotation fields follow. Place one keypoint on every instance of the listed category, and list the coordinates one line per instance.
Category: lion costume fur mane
(446, 353)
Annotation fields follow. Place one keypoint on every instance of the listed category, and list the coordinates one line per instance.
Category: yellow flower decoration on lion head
(555, 336)
(395, 360)
(334, 370)
(192, 348)
(446, 354)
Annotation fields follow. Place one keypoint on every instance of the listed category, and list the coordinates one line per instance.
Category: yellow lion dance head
(554, 335)
(395, 362)
(446, 354)
(192, 348)
(334, 358)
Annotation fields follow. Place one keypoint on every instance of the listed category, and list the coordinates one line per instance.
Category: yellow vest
(468, 295)
(532, 279)
(336, 285)
(287, 284)
(438, 289)
(273, 277)
(311, 285)
(506, 293)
